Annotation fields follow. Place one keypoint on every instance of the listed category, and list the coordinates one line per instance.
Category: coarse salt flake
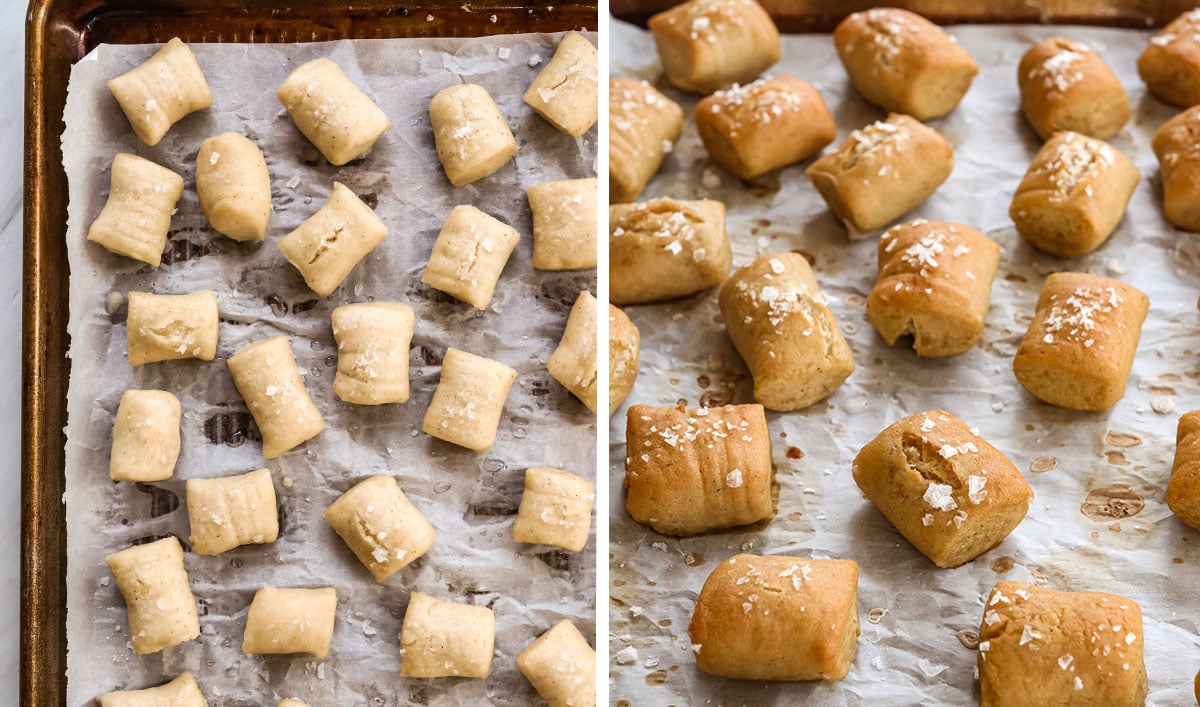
(940, 497)
(975, 490)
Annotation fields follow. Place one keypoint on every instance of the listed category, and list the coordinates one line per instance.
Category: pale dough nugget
(1073, 196)
(665, 249)
(469, 255)
(266, 375)
(290, 620)
(780, 323)
(556, 509)
(1080, 346)
(469, 400)
(230, 511)
(145, 436)
(472, 138)
(1040, 646)
(692, 471)
(1183, 489)
(327, 246)
(624, 346)
(162, 90)
(643, 126)
(180, 692)
(753, 129)
(446, 639)
(709, 44)
(573, 363)
(337, 118)
(170, 327)
(882, 172)
(777, 618)
(372, 342)
(564, 224)
(946, 489)
(1066, 86)
(1177, 146)
(161, 608)
(904, 63)
(137, 216)
(567, 92)
(234, 186)
(561, 666)
(935, 283)
(289, 702)
(383, 529)
(1170, 64)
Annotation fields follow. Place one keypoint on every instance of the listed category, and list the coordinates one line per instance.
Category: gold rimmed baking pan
(59, 33)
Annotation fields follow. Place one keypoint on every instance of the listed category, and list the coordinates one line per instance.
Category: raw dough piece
(564, 224)
(180, 692)
(383, 529)
(935, 283)
(290, 621)
(473, 140)
(904, 63)
(573, 363)
(1079, 348)
(561, 666)
(469, 255)
(161, 608)
(946, 489)
(327, 246)
(445, 639)
(234, 186)
(1073, 196)
(777, 618)
(556, 509)
(469, 400)
(778, 319)
(1170, 65)
(1040, 646)
(882, 172)
(337, 118)
(567, 92)
(692, 471)
(1066, 86)
(145, 436)
(266, 375)
(643, 126)
(161, 90)
(171, 327)
(753, 129)
(624, 346)
(705, 45)
(665, 249)
(372, 341)
(137, 216)
(289, 702)
(231, 511)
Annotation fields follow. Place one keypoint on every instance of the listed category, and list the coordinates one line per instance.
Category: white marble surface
(12, 91)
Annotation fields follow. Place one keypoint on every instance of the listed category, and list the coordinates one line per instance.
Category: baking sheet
(909, 652)
(469, 498)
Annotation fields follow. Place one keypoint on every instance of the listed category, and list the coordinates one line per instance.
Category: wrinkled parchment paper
(911, 655)
(469, 498)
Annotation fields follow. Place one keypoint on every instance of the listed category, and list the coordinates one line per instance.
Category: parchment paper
(469, 498)
(911, 655)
